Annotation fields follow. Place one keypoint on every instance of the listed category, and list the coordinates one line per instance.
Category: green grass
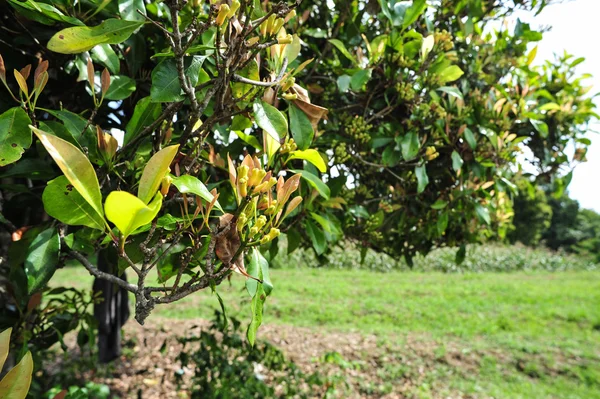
(535, 334)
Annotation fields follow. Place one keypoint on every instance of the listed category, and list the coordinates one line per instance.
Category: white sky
(576, 28)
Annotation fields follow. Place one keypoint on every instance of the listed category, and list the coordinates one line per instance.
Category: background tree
(532, 214)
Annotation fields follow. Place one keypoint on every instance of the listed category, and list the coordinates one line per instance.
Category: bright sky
(576, 28)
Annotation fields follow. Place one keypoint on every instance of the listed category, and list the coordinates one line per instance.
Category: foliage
(532, 214)
(179, 194)
(16, 382)
(433, 103)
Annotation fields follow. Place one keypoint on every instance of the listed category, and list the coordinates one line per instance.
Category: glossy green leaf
(315, 182)
(42, 259)
(451, 91)
(422, 178)
(343, 83)
(42, 12)
(128, 9)
(360, 79)
(105, 55)
(15, 136)
(317, 237)
(342, 49)
(256, 306)
(394, 10)
(165, 78)
(410, 146)
(83, 38)
(413, 12)
(250, 71)
(270, 119)
(450, 74)
(470, 138)
(259, 268)
(187, 184)
(15, 384)
(253, 141)
(144, 114)
(439, 204)
(156, 169)
(390, 156)
(76, 167)
(120, 88)
(128, 212)
(64, 203)
(483, 214)
(311, 156)
(457, 161)
(301, 128)
(550, 107)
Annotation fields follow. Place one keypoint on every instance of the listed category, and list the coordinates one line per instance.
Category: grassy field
(516, 335)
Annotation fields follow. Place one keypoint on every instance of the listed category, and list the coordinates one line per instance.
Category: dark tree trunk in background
(111, 313)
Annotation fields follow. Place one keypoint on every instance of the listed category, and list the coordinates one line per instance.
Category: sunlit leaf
(270, 119)
(311, 156)
(4, 345)
(315, 182)
(76, 167)
(128, 212)
(83, 38)
(190, 184)
(155, 170)
(422, 178)
(42, 259)
(15, 384)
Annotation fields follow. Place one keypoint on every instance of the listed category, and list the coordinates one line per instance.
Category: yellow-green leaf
(155, 170)
(128, 212)
(83, 38)
(15, 384)
(76, 167)
(311, 156)
(4, 345)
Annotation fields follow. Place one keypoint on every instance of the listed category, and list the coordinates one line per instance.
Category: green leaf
(315, 182)
(483, 214)
(120, 88)
(165, 79)
(156, 169)
(422, 178)
(65, 204)
(439, 204)
(144, 114)
(442, 223)
(15, 136)
(342, 48)
(128, 212)
(292, 50)
(450, 74)
(128, 9)
(451, 91)
(270, 119)
(360, 78)
(470, 138)
(390, 156)
(83, 38)
(259, 268)
(250, 71)
(190, 184)
(550, 107)
(258, 302)
(311, 156)
(76, 167)
(42, 12)
(301, 128)
(317, 237)
(42, 259)
(105, 55)
(15, 384)
(410, 146)
(395, 10)
(253, 141)
(343, 83)
(413, 12)
(541, 127)
(457, 161)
